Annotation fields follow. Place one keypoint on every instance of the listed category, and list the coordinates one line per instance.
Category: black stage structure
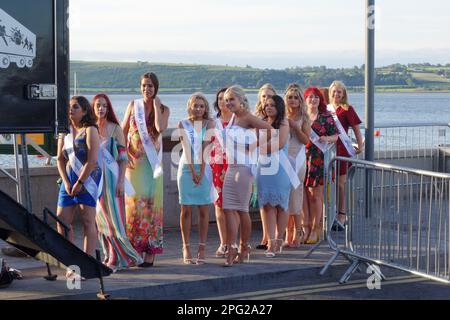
(34, 94)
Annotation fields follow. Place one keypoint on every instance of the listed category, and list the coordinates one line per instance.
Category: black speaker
(34, 66)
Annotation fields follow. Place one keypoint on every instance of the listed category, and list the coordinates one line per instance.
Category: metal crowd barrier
(413, 140)
(396, 217)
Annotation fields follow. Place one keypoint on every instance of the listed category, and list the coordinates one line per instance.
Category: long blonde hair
(259, 105)
(340, 85)
(302, 108)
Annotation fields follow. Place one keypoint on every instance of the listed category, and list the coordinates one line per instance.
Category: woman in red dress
(219, 168)
(347, 118)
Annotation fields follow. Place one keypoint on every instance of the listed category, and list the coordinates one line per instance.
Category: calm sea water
(390, 108)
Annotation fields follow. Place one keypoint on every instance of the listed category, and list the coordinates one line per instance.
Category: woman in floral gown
(144, 210)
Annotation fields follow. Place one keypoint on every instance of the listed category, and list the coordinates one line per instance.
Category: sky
(260, 33)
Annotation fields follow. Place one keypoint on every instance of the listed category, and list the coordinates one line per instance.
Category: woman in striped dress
(110, 218)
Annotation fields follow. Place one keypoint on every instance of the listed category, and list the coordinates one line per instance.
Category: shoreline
(186, 91)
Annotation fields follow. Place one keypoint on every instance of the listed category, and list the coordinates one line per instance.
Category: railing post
(370, 97)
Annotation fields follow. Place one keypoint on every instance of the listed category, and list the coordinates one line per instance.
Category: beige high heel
(232, 255)
(244, 253)
(221, 251)
(186, 259)
(201, 260)
(270, 253)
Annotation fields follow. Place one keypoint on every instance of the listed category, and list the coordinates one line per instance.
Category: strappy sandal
(187, 260)
(270, 253)
(221, 251)
(232, 255)
(201, 260)
(244, 253)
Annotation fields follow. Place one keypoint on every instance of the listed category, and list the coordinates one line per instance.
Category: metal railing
(414, 140)
(396, 216)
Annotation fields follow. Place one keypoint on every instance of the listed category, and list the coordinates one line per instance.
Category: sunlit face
(76, 113)
(270, 108)
(312, 100)
(198, 108)
(337, 94)
(147, 88)
(221, 102)
(101, 108)
(232, 102)
(292, 99)
(265, 94)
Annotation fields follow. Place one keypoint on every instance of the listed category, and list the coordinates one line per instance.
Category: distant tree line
(111, 75)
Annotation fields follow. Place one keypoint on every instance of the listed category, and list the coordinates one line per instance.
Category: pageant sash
(323, 146)
(76, 165)
(153, 157)
(237, 137)
(300, 159)
(345, 139)
(196, 142)
(219, 130)
(106, 158)
(280, 158)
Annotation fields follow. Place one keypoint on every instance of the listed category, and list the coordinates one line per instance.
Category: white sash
(300, 159)
(346, 141)
(110, 163)
(154, 158)
(282, 158)
(323, 146)
(240, 154)
(219, 130)
(76, 165)
(196, 141)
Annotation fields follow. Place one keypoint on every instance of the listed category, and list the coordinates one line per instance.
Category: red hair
(317, 92)
(110, 115)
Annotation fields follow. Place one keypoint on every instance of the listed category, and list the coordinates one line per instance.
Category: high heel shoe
(270, 253)
(299, 238)
(244, 253)
(201, 257)
(187, 259)
(279, 246)
(314, 240)
(221, 251)
(232, 255)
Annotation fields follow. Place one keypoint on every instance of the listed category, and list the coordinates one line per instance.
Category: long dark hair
(89, 119)
(216, 103)
(110, 115)
(154, 79)
(281, 111)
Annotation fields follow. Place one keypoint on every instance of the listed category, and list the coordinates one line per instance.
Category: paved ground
(287, 276)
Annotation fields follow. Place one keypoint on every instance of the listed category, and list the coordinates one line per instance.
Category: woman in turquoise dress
(110, 218)
(273, 180)
(144, 209)
(194, 177)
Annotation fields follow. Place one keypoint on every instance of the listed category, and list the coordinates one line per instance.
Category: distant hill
(121, 77)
